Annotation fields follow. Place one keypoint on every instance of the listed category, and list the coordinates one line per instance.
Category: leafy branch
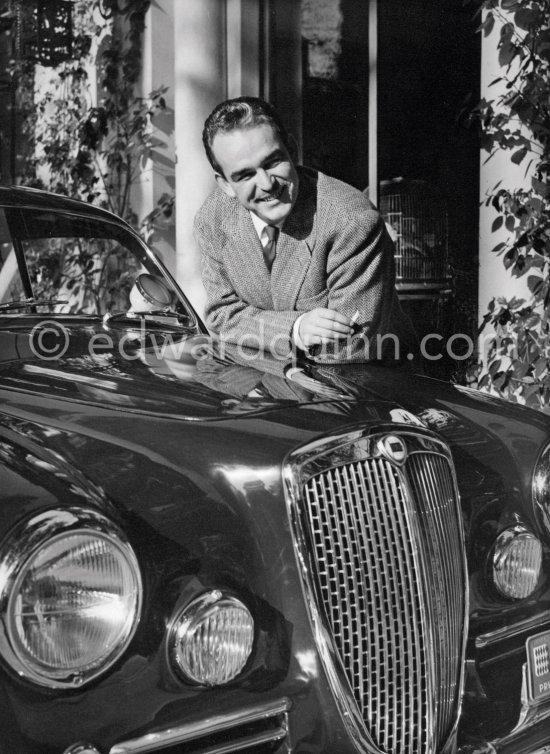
(516, 332)
(92, 147)
(92, 151)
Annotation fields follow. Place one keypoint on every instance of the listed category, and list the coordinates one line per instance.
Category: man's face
(258, 171)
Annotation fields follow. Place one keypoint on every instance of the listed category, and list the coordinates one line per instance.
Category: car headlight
(541, 490)
(70, 597)
(211, 639)
(517, 562)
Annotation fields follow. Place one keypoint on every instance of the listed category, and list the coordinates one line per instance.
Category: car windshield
(75, 264)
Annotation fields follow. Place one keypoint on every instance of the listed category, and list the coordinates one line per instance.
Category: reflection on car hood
(149, 369)
(154, 371)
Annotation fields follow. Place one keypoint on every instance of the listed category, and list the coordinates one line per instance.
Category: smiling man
(290, 256)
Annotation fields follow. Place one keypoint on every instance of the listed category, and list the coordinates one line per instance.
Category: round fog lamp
(211, 639)
(517, 562)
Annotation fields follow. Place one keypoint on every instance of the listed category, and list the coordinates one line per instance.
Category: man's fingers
(324, 326)
(331, 331)
(332, 316)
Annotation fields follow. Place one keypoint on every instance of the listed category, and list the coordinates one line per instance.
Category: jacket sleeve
(230, 317)
(360, 272)
(361, 285)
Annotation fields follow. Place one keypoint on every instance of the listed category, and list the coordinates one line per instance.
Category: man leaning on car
(292, 257)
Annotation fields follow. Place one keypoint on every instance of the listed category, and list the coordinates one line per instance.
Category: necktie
(271, 233)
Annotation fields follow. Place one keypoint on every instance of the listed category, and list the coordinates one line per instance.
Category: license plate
(538, 666)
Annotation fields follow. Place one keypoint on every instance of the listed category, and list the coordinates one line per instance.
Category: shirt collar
(260, 224)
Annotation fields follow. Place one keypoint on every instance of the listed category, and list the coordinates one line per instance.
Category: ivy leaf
(527, 18)
(494, 368)
(520, 369)
(483, 382)
(535, 284)
(509, 258)
(540, 368)
(497, 223)
(543, 189)
(507, 52)
(488, 25)
(518, 155)
(530, 395)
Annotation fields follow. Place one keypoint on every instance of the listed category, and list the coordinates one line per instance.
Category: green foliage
(517, 348)
(85, 275)
(91, 140)
(88, 149)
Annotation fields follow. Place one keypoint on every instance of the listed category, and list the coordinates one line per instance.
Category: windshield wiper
(27, 302)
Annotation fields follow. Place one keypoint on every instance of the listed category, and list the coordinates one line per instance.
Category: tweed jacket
(333, 251)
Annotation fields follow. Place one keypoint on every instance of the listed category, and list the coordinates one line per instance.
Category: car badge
(393, 448)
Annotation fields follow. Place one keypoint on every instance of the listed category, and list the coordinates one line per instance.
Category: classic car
(209, 549)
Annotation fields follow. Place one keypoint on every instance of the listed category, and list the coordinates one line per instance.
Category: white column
(373, 101)
(200, 83)
(243, 48)
(494, 279)
(158, 177)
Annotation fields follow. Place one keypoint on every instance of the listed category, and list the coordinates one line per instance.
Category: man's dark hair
(241, 112)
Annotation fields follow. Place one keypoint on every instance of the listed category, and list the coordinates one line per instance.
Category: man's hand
(323, 326)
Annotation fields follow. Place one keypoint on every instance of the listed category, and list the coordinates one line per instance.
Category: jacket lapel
(289, 269)
(294, 248)
(243, 256)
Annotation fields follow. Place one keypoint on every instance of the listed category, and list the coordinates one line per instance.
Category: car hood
(149, 369)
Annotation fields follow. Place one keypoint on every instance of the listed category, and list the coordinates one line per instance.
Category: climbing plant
(89, 136)
(87, 133)
(516, 332)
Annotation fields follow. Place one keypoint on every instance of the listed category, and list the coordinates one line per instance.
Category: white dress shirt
(259, 226)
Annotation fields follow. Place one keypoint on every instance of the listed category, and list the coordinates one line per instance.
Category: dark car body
(357, 512)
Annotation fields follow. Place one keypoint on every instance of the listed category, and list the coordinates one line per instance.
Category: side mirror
(149, 293)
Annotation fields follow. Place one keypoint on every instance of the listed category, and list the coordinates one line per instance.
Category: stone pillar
(159, 177)
(200, 83)
(494, 279)
(244, 48)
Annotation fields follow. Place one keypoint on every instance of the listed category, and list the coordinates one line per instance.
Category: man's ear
(224, 185)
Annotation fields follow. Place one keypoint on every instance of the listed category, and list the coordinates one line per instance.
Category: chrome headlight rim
(182, 623)
(540, 491)
(19, 548)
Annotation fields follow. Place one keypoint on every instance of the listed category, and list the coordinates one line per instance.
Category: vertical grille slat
(388, 559)
(431, 486)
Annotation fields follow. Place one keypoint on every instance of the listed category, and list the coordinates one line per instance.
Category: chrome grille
(386, 548)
